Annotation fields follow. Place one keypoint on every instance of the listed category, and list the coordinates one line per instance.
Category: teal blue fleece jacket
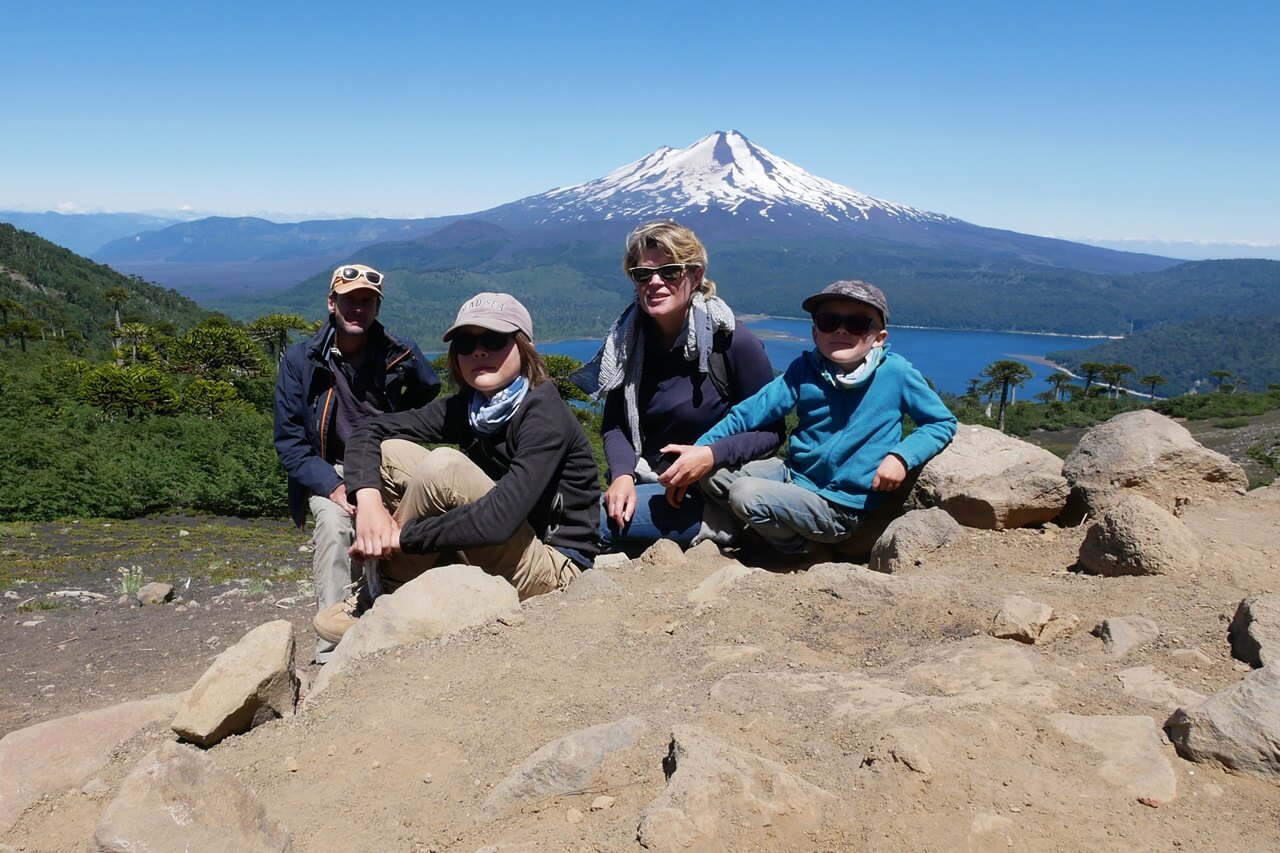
(844, 434)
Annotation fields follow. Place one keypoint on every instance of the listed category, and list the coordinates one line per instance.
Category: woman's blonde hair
(675, 241)
(532, 367)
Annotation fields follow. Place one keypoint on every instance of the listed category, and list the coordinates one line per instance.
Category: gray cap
(859, 291)
(500, 312)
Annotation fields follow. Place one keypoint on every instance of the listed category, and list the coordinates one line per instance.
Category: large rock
(1119, 634)
(1152, 455)
(441, 601)
(52, 756)
(1021, 619)
(176, 800)
(1255, 630)
(564, 765)
(989, 480)
(909, 539)
(1131, 752)
(1154, 686)
(250, 683)
(1237, 727)
(722, 798)
(1135, 536)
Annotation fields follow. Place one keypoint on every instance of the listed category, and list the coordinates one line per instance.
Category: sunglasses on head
(667, 272)
(465, 343)
(351, 274)
(857, 324)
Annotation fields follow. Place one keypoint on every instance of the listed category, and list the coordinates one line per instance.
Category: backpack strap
(717, 366)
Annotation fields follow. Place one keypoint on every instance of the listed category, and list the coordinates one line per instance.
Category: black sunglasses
(667, 272)
(465, 343)
(351, 274)
(857, 324)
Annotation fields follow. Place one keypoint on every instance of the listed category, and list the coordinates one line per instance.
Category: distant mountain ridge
(726, 187)
(85, 233)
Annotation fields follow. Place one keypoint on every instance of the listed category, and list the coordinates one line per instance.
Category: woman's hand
(889, 475)
(620, 500)
(691, 464)
(377, 533)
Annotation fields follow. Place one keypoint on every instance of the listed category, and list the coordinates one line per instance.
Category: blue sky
(1116, 120)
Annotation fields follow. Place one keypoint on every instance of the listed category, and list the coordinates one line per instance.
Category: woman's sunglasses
(465, 343)
(667, 272)
(857, 324)
(351, 274)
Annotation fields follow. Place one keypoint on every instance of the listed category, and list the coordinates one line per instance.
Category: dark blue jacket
(306, 399)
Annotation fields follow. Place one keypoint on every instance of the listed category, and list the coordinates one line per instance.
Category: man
(351, 371)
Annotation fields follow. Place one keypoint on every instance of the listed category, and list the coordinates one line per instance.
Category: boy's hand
(691, 464)
(620, 499)
(889, 475)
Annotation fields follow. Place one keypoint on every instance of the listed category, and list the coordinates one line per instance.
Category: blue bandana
(855, 378)
(488, 415)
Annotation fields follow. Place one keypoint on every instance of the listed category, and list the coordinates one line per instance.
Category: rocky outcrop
(442, 601)
(912, 537)
(65, 753)
(989, 480)
(1255, 630)
(565, 765)
(176, 800)
(1238, 727)
(1134, 536)
(250, 683)
(1150, 454)
(720, 797)
(1130, 751)
(1120, 634)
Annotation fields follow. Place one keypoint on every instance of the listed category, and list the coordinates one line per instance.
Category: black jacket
(305, 401)
(540, 462)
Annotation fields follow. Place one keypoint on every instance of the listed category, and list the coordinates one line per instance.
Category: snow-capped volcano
(722, 172)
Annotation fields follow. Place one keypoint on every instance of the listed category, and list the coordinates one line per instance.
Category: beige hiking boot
(337, 619)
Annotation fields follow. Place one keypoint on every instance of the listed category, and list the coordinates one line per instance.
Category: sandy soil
(830, 672)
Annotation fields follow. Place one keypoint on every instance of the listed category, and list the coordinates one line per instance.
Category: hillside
(1186, 354)
(66, 294)
(84, 233)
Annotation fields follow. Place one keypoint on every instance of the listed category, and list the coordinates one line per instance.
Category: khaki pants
(421, 483)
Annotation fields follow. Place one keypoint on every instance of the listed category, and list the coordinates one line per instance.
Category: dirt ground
(826, 672)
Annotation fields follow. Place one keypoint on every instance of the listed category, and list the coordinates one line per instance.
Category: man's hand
(691, 464)
(377, 533)
(620, 500)
(339, 496)
(889, 475)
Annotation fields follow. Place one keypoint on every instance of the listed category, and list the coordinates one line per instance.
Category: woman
(519, 496)
(672, 365)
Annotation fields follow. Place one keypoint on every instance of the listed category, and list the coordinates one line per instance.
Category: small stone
(670, 627)
(291, 764)
(155, 593)
(95, 787)
(602, 802)
(426, 779)
(183, 534)
(573, 816)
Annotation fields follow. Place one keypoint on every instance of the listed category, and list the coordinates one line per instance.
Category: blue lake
(948, 358)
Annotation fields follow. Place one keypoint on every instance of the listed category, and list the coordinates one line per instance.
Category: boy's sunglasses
(465, 343)
(667, 272)
(857, 324)
(351, 274)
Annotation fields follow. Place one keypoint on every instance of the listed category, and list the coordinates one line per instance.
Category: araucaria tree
(1008, 374)
(1151, 380)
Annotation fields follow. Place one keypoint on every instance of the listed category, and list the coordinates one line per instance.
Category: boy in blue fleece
(847, 452)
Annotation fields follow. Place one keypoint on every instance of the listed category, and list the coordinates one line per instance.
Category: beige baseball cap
(500, 312)
(349, 277)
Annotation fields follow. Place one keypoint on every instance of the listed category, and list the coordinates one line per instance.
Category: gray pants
(762, 496)
(332, 569)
